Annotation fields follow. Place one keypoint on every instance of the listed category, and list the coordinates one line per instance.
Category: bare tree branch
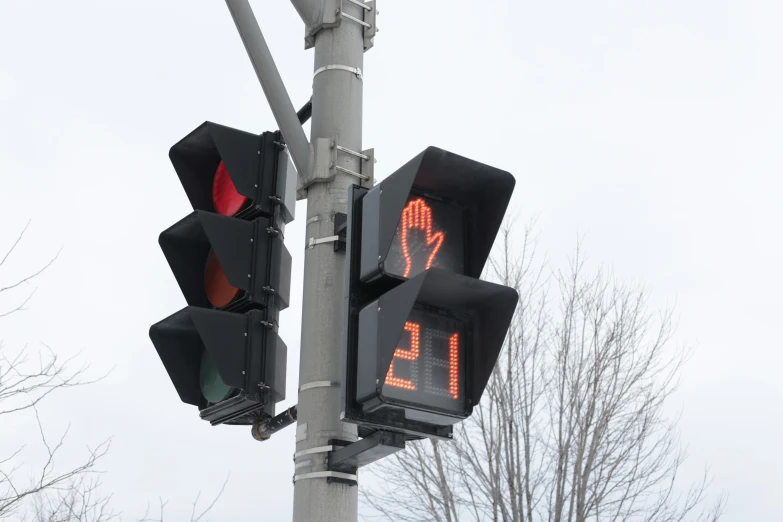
(12, 495)
(55, 494)
(25, 279)
(24, 384)
(193, 516)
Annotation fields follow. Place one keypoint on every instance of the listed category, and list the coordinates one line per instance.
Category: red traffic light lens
(227, 201)
(219, 291)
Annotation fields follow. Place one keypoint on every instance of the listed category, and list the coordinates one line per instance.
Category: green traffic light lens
(212, 386)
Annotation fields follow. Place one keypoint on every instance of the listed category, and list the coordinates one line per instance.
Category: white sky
(654, 128)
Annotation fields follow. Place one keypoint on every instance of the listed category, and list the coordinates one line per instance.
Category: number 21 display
(428, 363)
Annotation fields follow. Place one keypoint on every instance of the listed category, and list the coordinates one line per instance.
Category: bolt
(256, 185)
(336, 11)
(259, 152)
(243, 372)
(245, 334)
(379, 308)
(379, 258)
(248, 275)
(377, 381)
(251, 239)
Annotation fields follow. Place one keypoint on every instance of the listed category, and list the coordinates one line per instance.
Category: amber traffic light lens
(227, 201)
(219, 291)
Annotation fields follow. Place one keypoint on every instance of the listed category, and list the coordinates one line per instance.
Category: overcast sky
(651, 127)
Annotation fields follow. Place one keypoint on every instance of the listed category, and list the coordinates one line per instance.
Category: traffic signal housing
(423, 333)
(223, 352)
(455, 204)
(236, 173)
(228, 263)
(231, 366)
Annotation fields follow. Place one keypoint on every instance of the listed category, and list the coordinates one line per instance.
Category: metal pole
(337, 113)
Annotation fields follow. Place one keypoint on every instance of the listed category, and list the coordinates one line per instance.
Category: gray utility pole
(337, 115)
(340, 31)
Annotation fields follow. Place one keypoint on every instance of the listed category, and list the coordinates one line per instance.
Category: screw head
(248, 275)
(377, 381)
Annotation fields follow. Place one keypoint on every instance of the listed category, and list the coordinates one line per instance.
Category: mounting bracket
(324, 154)
(329, 13)
(350, 458)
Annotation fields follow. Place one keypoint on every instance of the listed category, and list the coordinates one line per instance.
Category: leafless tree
(572, 426)
(80, 500)
(26, 380)
(72, 494)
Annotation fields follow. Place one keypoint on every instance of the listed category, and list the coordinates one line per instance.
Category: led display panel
(430, 233)
(428, 367)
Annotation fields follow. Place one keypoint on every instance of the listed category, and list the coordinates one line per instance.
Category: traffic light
(423, 333)
(228, 263)
(222, 352)
(236, 173)
(231, 366)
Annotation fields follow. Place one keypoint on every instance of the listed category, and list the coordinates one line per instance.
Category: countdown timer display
(430, 234)
(428, 367)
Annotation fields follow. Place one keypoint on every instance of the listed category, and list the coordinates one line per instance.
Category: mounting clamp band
(355, 70)
(326, 475)
(311, 451)
(328, 239)
(319, 384)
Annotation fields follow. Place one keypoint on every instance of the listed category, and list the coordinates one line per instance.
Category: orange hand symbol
(417, 215)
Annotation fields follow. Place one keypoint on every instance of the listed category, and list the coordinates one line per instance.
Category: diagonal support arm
(271, 83)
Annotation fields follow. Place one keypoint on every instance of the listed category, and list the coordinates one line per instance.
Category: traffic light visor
(431, 342)
(440, 210)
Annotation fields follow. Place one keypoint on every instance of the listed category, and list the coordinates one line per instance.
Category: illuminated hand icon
(417, 216)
